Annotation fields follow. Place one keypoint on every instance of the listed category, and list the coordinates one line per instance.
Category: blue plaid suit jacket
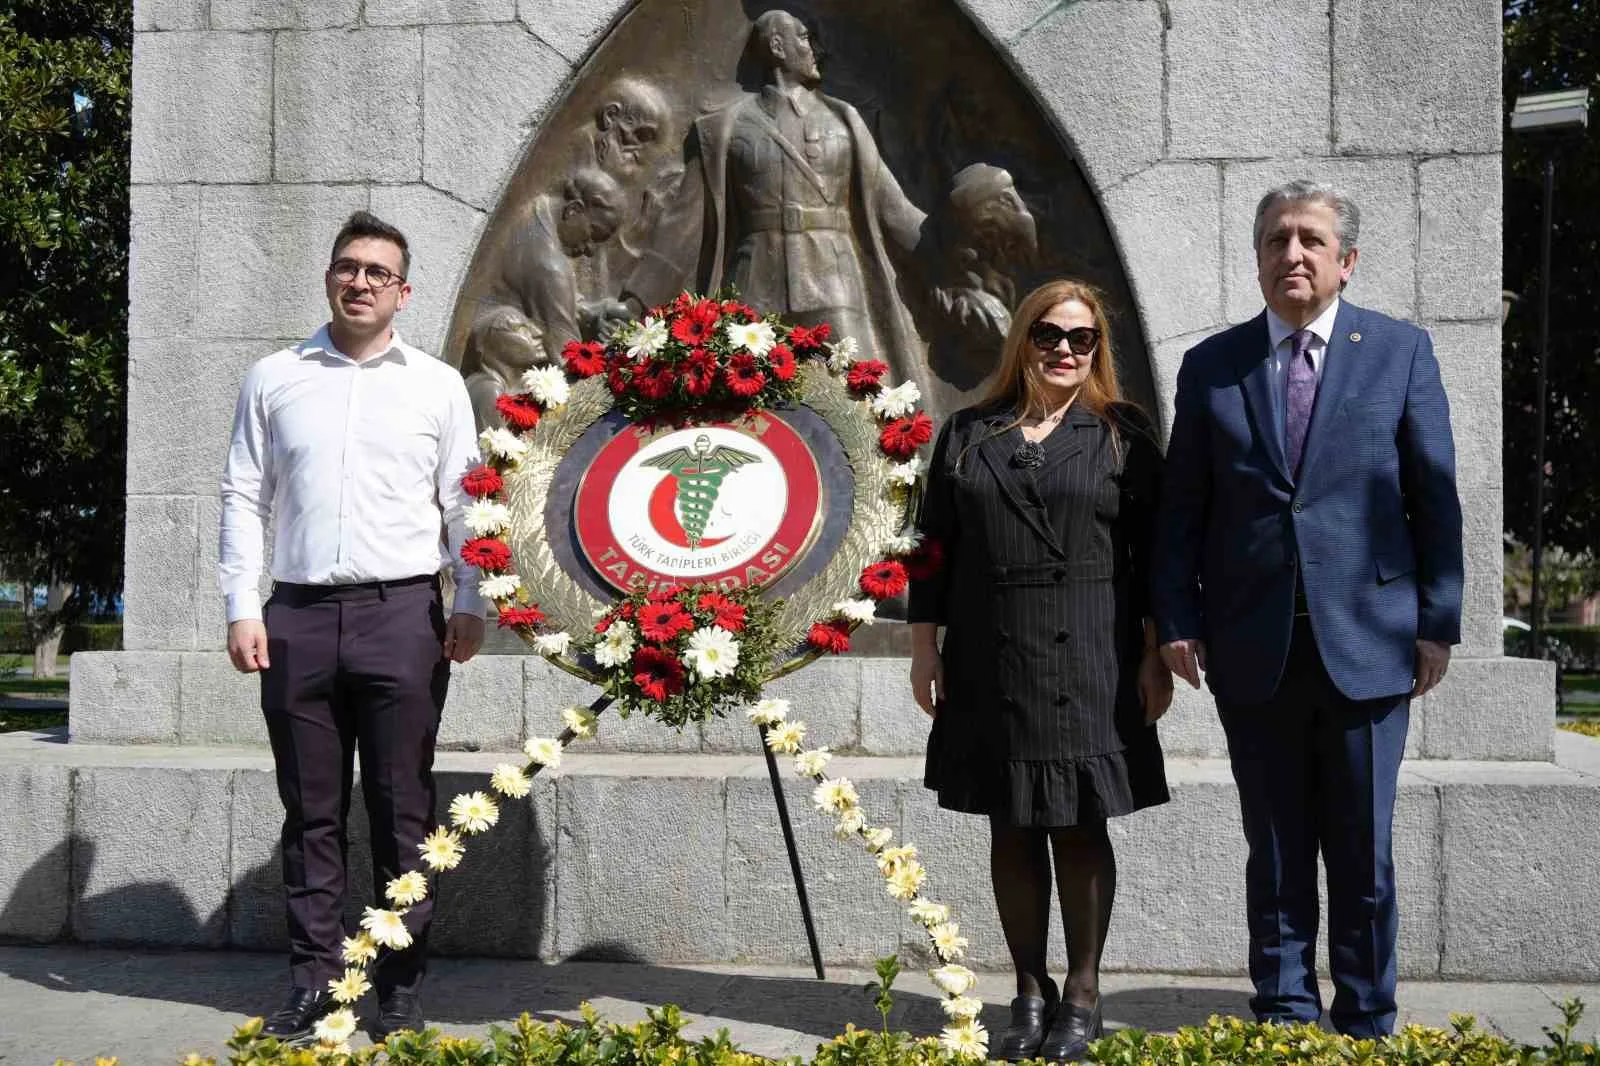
(1372, 524)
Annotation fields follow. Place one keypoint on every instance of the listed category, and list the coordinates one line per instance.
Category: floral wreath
(687, 653)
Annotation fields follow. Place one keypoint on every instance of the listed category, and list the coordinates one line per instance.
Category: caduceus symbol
(700, 470)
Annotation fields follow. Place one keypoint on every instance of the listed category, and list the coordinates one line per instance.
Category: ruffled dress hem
(1024, 794)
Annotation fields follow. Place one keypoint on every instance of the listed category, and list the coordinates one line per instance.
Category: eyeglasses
(1047, 337)
(345, 272)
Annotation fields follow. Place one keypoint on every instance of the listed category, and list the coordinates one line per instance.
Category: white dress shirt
(1280, 348)
(357, 465)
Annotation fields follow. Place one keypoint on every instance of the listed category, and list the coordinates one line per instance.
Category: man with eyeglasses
(1309, 560)
(353, 444)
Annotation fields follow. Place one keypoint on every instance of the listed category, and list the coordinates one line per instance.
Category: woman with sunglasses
(1047, 687)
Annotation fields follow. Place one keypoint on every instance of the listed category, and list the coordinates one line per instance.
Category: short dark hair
(366, 224)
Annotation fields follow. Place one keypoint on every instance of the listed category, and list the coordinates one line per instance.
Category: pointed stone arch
(938, 85)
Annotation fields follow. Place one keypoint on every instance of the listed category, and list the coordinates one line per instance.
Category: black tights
(1086, 878)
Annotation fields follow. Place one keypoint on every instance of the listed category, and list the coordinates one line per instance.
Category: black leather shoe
(1030, 1017)
(1072, 1032)
(302, 1010)
(397, 1011)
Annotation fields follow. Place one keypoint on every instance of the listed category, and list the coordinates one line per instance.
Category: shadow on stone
(1166, 1008)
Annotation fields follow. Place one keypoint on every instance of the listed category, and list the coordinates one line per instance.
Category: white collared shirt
(1280, 348)
(357, 465)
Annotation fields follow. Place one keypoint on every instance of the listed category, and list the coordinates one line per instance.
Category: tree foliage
(64, 147)
(1551, 45)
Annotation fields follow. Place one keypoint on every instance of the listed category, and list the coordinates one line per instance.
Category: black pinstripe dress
(1043, 596)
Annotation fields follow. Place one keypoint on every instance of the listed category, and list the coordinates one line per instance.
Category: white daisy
(757, 338)
(906, 543)
(499, 587)
(785, 737)
(500, 441)
(616, 645)
(898, 401)
(928, 914)
(510, 781)
(486, 518)
(842, 353)
(954, 980)
(768, 712)
(408, 889)
(386, 928)
(851, 821)
(962, 1007)
(546, 751)
(908, 472)
(857, 610)
(548, 385)
(335, 1028)
(813, 762)
(968, 1040)
(472, 812)
(948, 941)
(712, 652)
(647, 339)
(878, 839)
(581, 720)
(835, 796)
(552, 643)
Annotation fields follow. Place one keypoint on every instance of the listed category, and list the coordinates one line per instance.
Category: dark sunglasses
(1047, 337)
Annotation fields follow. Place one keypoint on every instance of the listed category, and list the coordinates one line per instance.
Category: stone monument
(1120, 140)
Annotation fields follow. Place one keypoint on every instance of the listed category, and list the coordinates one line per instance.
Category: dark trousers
(1317, 771)
(355, 668)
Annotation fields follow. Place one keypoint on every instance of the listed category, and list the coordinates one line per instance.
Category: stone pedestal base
(678, 858)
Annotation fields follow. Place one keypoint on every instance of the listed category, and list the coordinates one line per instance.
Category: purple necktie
(1302, 394)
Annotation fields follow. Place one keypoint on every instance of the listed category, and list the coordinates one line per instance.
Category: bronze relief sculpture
(698, 150)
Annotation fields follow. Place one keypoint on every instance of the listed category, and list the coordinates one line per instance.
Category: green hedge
(1583, 643)
(659, 1042)
(85, 636)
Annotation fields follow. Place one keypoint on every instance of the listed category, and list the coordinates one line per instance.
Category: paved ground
(150, 1008)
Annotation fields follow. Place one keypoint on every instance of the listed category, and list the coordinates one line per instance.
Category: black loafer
(1030, 1018)
(1072, 1032)
(398, 1011)
(302, 1010)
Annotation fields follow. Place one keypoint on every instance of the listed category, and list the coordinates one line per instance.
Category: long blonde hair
(1019, 383)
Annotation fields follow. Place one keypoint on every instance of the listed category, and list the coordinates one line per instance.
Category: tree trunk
(48, 641)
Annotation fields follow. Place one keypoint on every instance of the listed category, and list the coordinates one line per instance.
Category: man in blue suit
(1309, 562)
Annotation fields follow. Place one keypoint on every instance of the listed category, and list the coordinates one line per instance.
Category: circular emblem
(732, 504)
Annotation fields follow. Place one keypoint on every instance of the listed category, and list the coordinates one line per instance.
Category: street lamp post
(1545, 115)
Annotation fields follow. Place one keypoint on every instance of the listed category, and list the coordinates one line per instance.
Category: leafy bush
(1586, 728)
(1582, 644)
(81, 636)
(659, 1042)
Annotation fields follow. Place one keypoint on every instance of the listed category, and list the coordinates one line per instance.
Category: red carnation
(782, 361)
(625, 611)
(663, 621)
(807, 339)
(663, 593)
(864, 376)
(618, 373)
(584, 359)
(699, 372)
(885, 579)
(902, 437)
(519, 409)
(653, 379)
(512, 617)
(658, 673)
(743, 376)
(743, 312)
(724, 612)
(832, 636)
(926, 561)
(482, 480)
(486, 553)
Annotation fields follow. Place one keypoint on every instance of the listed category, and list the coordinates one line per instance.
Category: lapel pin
(1356, 337)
